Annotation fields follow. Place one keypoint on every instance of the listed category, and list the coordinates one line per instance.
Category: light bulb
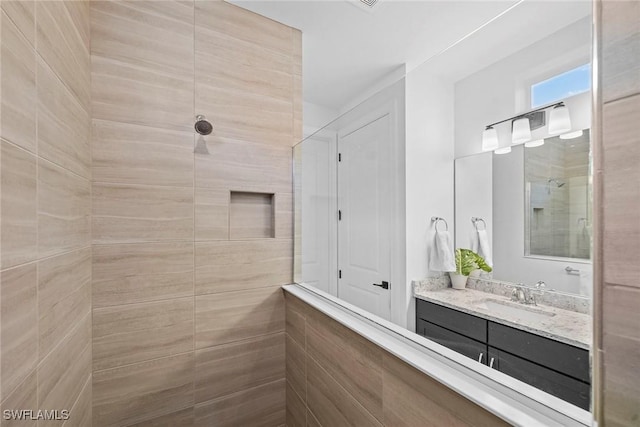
(536, 143)
(571, 135)
(521, 131)
(503, 150)
(489, 139)
(559, 120)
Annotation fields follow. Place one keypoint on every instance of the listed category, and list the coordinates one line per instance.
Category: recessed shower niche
(251, 215)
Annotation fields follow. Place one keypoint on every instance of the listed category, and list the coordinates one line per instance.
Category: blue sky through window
(562, 86)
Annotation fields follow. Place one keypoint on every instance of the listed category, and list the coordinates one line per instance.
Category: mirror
(557, 216)
(535, 206)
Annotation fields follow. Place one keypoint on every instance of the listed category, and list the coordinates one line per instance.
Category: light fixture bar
(519, 116)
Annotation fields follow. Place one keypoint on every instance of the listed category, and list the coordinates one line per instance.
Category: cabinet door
(454, 341)
(462, 323)
(554, 383)
(549, 353)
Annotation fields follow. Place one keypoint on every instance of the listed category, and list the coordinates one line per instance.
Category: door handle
(384, 285)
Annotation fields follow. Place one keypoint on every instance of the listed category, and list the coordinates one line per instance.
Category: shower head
(203, 126)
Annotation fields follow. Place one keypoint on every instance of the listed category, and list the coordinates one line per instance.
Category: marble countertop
(566, 326)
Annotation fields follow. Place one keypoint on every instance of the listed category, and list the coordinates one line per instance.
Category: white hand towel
(442, 257)
(484, 249)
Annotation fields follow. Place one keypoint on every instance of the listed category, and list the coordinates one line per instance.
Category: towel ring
(437, 219)
(475, 220)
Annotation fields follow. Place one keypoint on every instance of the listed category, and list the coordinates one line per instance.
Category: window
(561, 86)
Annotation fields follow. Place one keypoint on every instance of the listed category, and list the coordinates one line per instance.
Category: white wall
(474, 192)
(316, 117)
(429, 170)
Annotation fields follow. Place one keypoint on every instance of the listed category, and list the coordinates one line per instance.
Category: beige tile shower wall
(188, 313)
(368, 387)
(45, 202)
(620, 36)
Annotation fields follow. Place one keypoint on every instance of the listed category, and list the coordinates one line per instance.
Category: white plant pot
(458, 281)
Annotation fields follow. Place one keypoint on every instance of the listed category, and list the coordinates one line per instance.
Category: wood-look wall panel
(620, 49)
(360, 369)
(295, 312)
(224, 61)
(240, 265)
(621, 141)
(63, 47)
(25, 396)
(18, 79)
(125, 93)
(262, 406)
(22, 13)
(410, 397)
(148, 34)
(621, 388)
(234, 367)
(212, 214)
(244, 166)
(133, 154)
(331, 404)
(80, 414)
(19, 227)
(141, 272)
(244, 25)
(143, 391)
(64, 210)
(284, 217)
(19, 326)
(64, 296)
(124, 213)
(159, 210)
(296, 415)
(133, 333)
(244, 115)
(296, 368)
(234, 316)
(183, 418)
(64, 372)
(334, 391)
(63, 124)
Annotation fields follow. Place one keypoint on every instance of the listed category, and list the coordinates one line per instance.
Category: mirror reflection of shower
(557, 182)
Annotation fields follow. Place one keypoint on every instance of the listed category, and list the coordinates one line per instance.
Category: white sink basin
(520, 311)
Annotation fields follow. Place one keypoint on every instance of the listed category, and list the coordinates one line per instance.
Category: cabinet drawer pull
(493, 359)
(480, 357)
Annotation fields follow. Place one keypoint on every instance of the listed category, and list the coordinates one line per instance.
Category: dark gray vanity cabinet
(555, 367)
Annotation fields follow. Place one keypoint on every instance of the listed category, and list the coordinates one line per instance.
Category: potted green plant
(466, 262)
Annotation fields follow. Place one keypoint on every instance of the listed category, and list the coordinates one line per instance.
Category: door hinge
(339, 274)
(339, 157)
(339, 215)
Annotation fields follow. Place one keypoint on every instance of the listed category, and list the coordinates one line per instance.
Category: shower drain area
(251, 215)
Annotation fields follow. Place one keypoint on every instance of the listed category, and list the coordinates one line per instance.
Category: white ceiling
(346, 49)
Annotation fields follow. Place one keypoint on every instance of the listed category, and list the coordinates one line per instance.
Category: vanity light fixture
(571, 135)
(523, 124)
(489, 139)
(521, 131)
(559, 120)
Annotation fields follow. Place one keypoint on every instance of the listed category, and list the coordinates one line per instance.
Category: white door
(364, 203)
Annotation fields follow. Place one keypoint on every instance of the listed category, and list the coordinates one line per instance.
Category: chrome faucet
(527, 295)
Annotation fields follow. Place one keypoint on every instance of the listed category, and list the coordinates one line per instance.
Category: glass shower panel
(315, 255)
